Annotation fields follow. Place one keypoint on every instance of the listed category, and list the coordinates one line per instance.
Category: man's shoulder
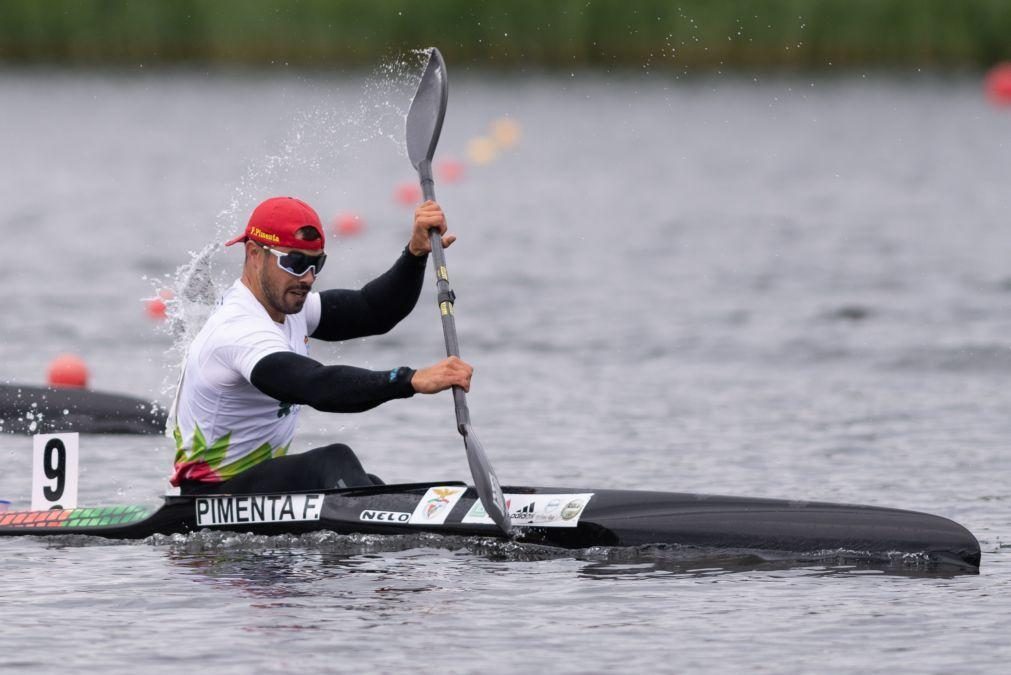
(239, 314)
(238, 303)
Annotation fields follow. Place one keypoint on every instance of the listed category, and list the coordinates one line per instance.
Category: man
(247, 372)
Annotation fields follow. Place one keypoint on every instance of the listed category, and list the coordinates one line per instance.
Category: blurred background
(749, 247)
(693, 230)
(521, 35)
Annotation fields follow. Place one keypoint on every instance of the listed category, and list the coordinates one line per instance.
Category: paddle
(424, 123)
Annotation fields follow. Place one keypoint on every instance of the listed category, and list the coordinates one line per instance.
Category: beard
(286, 298)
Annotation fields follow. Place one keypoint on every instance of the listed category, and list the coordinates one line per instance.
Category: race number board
(54, 471)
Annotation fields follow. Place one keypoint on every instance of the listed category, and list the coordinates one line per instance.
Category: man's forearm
(292, 378)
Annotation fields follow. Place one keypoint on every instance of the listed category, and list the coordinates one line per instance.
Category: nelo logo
(384, 516)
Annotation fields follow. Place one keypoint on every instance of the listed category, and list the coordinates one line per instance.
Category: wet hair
(307, 233)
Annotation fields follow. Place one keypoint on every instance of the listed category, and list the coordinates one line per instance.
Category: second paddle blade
(485, 482)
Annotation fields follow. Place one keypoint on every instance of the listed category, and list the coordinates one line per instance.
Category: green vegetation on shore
(654, 34)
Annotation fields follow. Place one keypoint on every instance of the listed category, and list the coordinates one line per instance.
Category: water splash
(320, 136)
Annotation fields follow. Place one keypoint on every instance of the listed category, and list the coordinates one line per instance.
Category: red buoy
(348, 224)
(998, 84)
(155, 307)
(408, 194)
(449, 170)
(68, 370)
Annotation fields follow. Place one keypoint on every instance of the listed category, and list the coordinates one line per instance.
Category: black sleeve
(292, 378)
(377, 307)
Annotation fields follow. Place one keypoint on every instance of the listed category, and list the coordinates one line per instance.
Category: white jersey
(222, 424)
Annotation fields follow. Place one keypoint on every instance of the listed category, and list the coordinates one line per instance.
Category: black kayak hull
(28, 409)
(562, 517)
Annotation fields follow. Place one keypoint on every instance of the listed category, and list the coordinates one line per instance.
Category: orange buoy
(449, 170)
(481, 150)
(506, 132)
(348, 224)
(998, 83)
(68, 370)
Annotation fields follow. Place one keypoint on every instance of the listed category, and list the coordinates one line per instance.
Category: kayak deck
(562, 517)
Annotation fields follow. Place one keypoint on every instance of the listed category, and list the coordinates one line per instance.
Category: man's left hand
(428, 216)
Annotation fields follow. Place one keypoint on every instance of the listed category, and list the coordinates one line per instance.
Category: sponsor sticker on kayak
(541, 510)
(371, 516)
(436, 505)
(246, 509)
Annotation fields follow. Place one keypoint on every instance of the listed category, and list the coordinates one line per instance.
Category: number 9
(57, 471)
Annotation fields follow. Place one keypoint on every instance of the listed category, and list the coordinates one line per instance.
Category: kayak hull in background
(40, 410)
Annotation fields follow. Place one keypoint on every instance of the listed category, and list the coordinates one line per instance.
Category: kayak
(561, 517)
(28, 409)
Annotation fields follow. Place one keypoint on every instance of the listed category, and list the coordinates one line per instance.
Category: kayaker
(247, 373)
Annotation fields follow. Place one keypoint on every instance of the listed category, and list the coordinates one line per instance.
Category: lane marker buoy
(481, 150)
(348, 224)
(407, 194)
(449, 170)
(68, 370)
(506, 132)
(156, 308)
(998, 84)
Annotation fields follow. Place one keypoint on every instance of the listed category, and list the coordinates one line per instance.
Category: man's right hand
(443, 375)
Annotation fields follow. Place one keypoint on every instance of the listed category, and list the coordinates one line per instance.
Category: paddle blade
(428, 109)
(485, 481)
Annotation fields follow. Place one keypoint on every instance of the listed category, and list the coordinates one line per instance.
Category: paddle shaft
(445, 297)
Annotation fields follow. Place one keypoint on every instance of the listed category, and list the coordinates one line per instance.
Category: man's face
(285, 292)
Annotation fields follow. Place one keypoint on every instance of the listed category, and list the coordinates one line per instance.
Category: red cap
(275, 222)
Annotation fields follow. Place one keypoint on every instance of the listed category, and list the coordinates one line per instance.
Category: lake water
(781, 288)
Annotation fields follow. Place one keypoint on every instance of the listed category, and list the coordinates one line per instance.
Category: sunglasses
(297, 263)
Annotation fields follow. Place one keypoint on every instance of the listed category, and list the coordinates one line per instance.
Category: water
(783, 288)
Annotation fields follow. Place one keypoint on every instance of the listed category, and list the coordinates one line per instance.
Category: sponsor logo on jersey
(384, 516)
(241, 510)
